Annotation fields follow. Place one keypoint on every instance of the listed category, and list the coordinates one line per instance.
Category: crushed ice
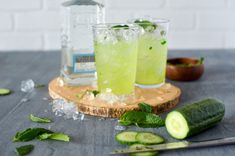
(120, 127)
(66, 109)
(111, 98)
(27, 85)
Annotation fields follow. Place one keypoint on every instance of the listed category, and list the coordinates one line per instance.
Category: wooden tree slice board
(162, 99)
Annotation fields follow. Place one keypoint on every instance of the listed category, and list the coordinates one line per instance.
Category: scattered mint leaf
(120, 27)
(44, 136)
(41, 134)
(24, 150)
(39, 86)
(60, 136)
(30, 134)
(4, 91)
(163, 42)
(54, 136)
(141, 119)
(144, 107)
(40, 120)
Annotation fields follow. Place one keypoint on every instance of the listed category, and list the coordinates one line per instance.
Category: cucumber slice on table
(127, 137)
(148, 138)
(135, 146)
(194, 118)
(4, 91)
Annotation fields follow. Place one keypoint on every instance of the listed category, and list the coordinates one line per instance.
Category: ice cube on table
(82, 117)
(64, 108)
(27, 85)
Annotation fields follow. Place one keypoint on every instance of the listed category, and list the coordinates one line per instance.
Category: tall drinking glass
(152, 52)
(116, 47)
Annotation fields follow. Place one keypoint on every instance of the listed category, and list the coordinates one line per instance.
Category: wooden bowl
(184, 69)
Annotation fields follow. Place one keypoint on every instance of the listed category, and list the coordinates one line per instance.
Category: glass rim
(110, 25)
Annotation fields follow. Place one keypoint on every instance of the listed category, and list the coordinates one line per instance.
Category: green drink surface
(116, 66)
(152, 56)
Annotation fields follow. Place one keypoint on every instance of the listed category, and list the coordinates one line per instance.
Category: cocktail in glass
(152, 53)
(116, 48)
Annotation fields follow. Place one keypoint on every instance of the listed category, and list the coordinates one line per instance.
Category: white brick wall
(195, 24)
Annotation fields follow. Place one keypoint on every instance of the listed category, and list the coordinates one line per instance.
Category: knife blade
(177, 145)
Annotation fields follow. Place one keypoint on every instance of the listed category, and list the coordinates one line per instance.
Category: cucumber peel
(194, 118)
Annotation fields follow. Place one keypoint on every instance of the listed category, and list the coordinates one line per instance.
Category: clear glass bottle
(78, 67)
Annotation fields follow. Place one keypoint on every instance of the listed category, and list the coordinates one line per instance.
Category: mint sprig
(141, 119)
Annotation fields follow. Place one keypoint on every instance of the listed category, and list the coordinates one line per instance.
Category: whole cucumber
(194, 118)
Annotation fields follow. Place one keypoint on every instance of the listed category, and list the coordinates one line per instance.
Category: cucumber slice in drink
(194, 118)
(149, 138)
(136, 146)
(4, 91)
(127, 137)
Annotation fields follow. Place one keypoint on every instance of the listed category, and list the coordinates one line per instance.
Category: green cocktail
(152, 53)
(116, 50)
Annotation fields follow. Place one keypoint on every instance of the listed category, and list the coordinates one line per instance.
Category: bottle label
(84, 63)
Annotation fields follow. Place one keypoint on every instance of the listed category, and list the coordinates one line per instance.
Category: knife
(177, 145)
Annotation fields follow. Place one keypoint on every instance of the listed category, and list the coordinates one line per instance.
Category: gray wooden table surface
(95, 137)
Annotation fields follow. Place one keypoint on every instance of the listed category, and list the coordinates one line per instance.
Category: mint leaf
(30, 134)
(44, 136)
(163, 42)
(54, 136)
(141, 119)
(94, 92)
(120, 27)
(24, 150)
(40, 120)
(144, 107)
(146, 25)
(4, 91)
(201, 60)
